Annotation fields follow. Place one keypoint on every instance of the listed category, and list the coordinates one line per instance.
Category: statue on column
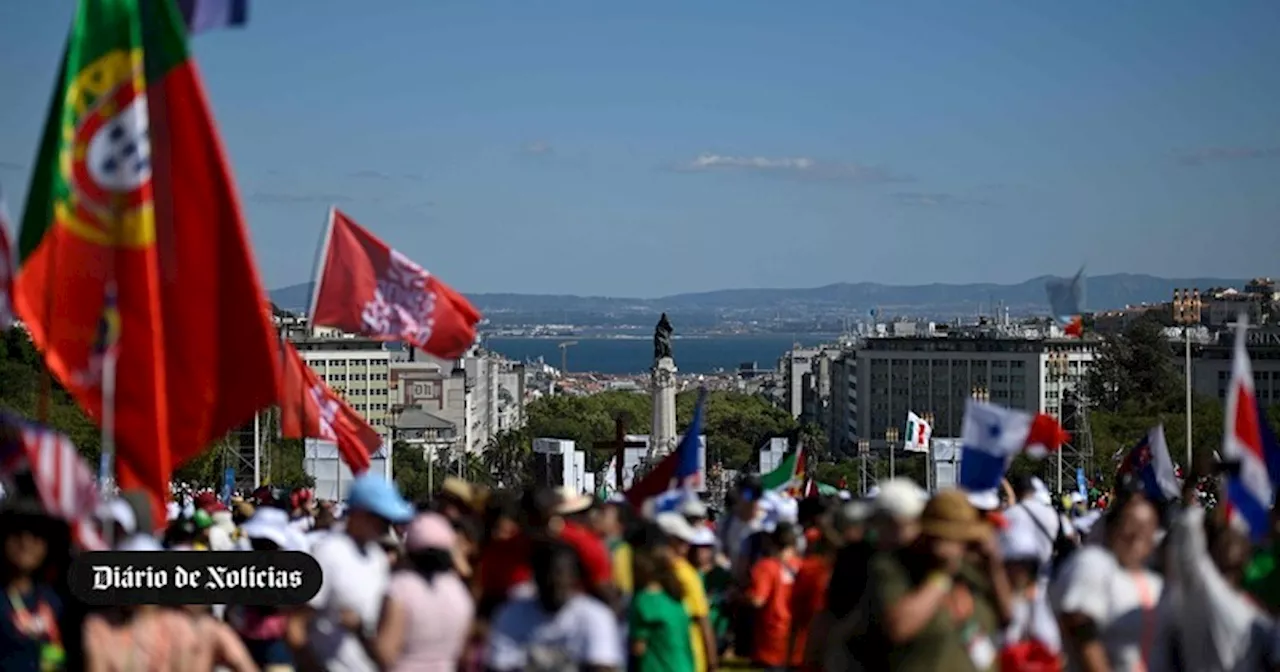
(662, 338)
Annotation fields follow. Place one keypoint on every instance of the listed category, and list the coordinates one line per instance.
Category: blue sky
(648, 148)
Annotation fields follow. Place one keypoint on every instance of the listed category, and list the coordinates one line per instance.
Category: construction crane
(564, 355)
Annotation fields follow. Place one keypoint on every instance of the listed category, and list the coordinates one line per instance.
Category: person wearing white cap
(681, 536)
(898, 506)
(716, 580)
(1029, 512)
(1032, 624)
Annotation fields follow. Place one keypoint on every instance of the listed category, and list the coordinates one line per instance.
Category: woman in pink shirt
(428, 610)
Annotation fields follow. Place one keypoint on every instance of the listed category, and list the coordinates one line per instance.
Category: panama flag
(992, 436)
(1249, 444)
(918, 434)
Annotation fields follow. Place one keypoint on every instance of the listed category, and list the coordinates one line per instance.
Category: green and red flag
(131, 191)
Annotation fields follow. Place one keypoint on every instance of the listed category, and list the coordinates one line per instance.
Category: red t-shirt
(808, 599)
(505, 564)
(772, 581)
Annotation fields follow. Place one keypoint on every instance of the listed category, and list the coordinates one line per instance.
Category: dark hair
(1022, 485)
(783, 536)
(646, 535)
(545, 557)
(648, 567)
(538, 506)
(430, 563)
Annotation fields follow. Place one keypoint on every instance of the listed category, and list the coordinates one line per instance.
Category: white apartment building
(936, 376)
(468, 400)
(358, 370)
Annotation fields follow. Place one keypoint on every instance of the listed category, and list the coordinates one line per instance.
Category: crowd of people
(556, 580)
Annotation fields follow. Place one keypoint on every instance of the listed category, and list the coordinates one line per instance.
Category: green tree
(1134, 372)
(508, 458)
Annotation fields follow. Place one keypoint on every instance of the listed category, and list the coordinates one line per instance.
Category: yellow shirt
(695, 602)
(622, 568)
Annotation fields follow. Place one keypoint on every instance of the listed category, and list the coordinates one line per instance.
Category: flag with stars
(992, 436)
(130, 188)
(1150, 464)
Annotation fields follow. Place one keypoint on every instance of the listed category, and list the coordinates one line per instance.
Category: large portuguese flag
(131, 197)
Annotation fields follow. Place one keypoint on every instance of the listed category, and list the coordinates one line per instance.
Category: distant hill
(1103, 292)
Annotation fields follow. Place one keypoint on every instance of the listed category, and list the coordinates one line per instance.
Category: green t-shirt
(716, 581)
(986, 615)
(1262, 580)
(660, 621)
(936, 647)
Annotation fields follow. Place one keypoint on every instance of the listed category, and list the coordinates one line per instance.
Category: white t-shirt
(355, 580)
(1213, 625)
(1124, 605)
(1033, 619)
(583, 632)
(1043, 520)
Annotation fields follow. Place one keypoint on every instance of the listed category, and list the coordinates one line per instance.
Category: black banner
(253, 578)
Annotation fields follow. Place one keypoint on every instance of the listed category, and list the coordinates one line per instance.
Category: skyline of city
(767, 147)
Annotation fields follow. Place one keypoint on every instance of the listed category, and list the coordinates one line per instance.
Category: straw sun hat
(950, 516)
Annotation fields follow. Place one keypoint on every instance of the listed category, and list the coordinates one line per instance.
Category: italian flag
(918, 434)
(131, 196)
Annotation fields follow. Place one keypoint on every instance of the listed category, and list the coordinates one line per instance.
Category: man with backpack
(1033, 508)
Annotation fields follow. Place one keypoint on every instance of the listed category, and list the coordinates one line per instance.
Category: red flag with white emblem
(310, 410)
(365, 287)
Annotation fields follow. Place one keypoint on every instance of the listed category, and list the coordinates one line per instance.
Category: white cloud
(537, 148)
(800, 167)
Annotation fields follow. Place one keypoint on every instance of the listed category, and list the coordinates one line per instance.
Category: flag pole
(1186, 333)
(107, 461)
(322, 255)
(257, 451)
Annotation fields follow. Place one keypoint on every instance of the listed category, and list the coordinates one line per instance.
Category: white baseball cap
(901, 498)
(676, 526)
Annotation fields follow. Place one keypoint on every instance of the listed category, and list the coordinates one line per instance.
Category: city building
(935, 377)
(476, 397)
(358, 370)
(1211, 362)
(805, 379)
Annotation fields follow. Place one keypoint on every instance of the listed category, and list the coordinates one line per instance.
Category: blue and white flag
(993, 435)
(1150, 464)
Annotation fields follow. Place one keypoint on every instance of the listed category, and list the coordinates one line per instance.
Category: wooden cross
(618, 446)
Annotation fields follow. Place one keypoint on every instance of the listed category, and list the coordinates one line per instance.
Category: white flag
(918, 434)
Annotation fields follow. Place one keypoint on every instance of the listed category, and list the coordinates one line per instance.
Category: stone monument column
(662, 437)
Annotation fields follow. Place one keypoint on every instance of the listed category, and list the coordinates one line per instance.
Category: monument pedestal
(662, 438)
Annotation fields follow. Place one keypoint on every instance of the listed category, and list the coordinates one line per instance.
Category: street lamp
(928, 454)
(891, 437)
